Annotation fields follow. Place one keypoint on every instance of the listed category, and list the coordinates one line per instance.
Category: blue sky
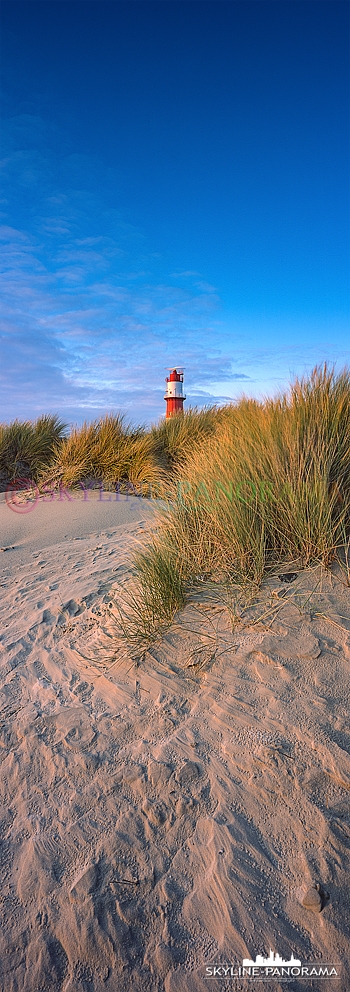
(175, 191)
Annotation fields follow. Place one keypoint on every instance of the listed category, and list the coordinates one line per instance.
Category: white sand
(161, 819)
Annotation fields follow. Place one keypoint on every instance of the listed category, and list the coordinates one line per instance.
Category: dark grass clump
(26, 448)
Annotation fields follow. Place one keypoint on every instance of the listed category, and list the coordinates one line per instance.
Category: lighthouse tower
(174, 395)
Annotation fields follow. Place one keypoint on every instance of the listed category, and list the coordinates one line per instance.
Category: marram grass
(26, 448)
(108, 450)
(246, 487)
(271, 485)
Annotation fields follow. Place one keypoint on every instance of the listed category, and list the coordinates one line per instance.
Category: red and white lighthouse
(175, 395)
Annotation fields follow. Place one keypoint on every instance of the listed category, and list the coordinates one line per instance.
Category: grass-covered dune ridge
(248, 486)
(109, 449)
(271, 485)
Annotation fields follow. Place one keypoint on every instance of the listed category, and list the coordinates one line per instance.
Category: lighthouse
(174, 395)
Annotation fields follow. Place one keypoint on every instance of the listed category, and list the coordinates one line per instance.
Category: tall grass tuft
(108, 449)
(174, 438)
(25, 448)
(271, 485)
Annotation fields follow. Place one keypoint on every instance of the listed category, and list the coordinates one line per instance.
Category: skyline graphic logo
(273, 959)
(265, 969)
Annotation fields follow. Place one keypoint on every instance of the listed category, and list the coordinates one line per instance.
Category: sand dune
(162, 819)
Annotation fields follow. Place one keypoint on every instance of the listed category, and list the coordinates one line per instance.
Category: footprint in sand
(74, 729)
(315, 898)
(155, 812)
(80, 737)
(84, 883)
(189, 772)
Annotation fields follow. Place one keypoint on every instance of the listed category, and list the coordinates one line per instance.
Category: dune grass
(270, 486)
(174, 438)
(112, 450)
(108, 450)
(26, 447)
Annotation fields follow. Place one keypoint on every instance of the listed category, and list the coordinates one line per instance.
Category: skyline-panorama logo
(273, 967)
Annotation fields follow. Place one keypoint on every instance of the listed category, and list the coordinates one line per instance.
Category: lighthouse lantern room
(174, 395)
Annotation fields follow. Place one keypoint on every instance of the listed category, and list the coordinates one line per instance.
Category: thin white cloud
(10, 232)
(183, 275)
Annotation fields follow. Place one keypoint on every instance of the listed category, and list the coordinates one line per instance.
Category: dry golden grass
(271, 485)
(108, 450)
(112, 451)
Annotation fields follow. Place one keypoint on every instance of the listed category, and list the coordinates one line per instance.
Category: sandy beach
(189, 813)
